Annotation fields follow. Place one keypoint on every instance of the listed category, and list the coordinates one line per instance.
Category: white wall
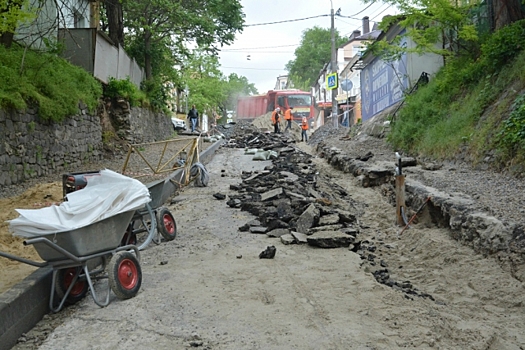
(416, 64)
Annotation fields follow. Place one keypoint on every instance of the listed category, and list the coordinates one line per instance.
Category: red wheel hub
(69, 276)
(168, 223)
(127, 274)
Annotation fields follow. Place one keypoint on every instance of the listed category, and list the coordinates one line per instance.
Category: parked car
(178, 124)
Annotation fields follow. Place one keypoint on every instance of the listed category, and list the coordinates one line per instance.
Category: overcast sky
(271, 46)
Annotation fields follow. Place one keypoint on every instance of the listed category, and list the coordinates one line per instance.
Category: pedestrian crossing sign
(331, 81)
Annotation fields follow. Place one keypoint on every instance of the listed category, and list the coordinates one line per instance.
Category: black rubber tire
(63, 281)
(166, 224)
(124, 274)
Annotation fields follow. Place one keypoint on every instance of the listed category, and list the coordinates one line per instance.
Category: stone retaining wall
(31, 147)
(139, 125)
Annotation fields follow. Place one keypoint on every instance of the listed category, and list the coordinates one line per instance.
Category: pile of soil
(38, 196)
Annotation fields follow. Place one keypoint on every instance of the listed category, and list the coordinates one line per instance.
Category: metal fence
(96, 53)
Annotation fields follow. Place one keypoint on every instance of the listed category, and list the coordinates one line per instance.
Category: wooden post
(94, 17)
(400, 199)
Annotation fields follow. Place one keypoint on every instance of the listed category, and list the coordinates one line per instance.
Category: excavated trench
(481, 231)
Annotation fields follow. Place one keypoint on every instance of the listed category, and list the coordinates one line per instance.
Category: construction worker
(288, 116)
(304, 127)
(276, 115)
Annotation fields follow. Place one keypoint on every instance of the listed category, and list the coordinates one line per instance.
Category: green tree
(206, 23)
(436, 26)
(445, 27)
(209, 90)
(12, 12)
(205, 81)
(312, 54)
(234, 87)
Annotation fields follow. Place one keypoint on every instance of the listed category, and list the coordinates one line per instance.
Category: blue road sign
(331, 81)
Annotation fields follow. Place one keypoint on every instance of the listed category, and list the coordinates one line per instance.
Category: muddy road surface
(209, 289)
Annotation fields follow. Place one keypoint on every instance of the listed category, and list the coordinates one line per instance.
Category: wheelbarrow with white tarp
(81, 240)
(150, 223)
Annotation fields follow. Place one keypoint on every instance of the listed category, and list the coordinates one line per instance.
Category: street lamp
(333, 64)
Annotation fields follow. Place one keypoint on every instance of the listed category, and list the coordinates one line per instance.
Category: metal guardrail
(162, 157)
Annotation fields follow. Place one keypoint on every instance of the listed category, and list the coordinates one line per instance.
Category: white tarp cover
(104, 196)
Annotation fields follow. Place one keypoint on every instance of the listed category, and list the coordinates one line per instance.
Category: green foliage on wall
(124, 88)
(45, 81)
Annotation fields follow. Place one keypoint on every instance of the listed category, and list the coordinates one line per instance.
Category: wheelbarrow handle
(53, 246)
(23, 260)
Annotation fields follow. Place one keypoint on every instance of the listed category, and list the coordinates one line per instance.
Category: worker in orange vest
(275, 120)
(288, 116)
(304, 127)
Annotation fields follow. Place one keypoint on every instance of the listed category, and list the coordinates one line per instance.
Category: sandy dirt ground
(209, 289)
(39, 196)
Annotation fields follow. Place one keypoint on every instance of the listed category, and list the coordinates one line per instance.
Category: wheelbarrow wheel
(63, 281)
(124, 274)
(166, 224)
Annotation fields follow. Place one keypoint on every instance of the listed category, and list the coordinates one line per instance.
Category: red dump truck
(251, 107)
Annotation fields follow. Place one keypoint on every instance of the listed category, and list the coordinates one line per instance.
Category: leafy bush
(512, 133)
(156, 94)
(124, 88)
(503, 46)
(42, 79)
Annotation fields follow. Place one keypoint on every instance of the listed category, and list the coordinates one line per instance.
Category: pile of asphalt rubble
(296, 204)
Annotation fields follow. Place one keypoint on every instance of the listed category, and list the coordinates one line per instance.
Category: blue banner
(382, 85)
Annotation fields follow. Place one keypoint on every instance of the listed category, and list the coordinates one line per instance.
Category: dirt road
(209, 289)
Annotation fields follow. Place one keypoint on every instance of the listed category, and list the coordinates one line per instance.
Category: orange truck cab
(251, 107)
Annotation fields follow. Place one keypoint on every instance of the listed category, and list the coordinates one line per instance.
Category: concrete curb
(22, 306)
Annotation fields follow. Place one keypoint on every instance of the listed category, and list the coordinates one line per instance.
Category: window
(78, 20)
(299, 100)
(280, 101)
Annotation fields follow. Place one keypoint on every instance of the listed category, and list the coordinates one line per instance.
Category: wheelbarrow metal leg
(93, 293)
(66, 294)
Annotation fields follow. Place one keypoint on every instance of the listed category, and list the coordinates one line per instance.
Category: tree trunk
(147, 54)
(6, 39)
(115, 21)
(506, 12)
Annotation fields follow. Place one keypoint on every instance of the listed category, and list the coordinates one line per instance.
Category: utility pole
(186, 92)
(333, 64)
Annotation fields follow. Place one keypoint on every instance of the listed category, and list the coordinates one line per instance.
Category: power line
(355, 14)
(258, 48)
(382, 12)
(256, 52)
(303, 19)
(253, 68)
(286, 21)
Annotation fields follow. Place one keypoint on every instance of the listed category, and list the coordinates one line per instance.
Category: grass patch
(478, 103)
(46, 81)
